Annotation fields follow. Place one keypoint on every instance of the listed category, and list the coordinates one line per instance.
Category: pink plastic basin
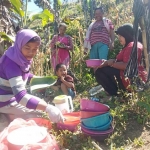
(93, 132)
(71, 121)
(88, 114)
(92, 63)
(98, 135)
(98, 138)
(89, 105)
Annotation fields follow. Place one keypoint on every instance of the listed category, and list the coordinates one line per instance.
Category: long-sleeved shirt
(124, 56)
(12, 85)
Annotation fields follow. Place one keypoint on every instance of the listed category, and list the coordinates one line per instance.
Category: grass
(130, 119)
(126, 117)
(128, 123)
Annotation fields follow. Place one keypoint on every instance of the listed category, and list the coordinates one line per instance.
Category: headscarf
(14, 52)
(127, 32)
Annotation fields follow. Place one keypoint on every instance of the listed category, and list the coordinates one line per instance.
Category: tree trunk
(1, 48)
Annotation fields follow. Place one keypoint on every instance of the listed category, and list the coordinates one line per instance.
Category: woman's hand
(62, 78)
(65, 46)
(110, 62)
(54, 114)
(85, 51)
(106, 63)
(103, 64)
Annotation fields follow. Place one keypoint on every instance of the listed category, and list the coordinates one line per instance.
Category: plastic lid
(60, 99)
(27, 135)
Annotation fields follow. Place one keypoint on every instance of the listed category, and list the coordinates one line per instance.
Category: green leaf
(46, 16)
(6, 37)
(67, 20)
(35, 16)
(59, 2)
(44, 22)
(49, 14)
(42, 82)
(17, 7)
(16, 3)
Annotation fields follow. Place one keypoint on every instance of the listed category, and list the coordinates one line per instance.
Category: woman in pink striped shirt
(99, 36)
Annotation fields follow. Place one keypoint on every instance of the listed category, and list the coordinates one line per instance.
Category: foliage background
(78, 16)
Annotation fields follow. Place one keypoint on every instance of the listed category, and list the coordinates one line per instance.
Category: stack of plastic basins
(95, 119)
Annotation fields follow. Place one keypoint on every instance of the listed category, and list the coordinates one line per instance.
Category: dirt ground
(138, 131)
(133, 131)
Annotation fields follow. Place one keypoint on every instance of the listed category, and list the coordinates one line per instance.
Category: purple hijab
(14, 52)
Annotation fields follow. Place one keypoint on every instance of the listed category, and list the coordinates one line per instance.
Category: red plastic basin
(42, 122)
(71, 121)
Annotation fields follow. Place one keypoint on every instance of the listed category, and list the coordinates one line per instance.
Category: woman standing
(99, 36)
(60, 46)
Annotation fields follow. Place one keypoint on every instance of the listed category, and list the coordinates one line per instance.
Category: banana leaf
(7, 37)
(43, 82)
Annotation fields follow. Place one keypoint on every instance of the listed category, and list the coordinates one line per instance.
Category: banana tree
(24, 20)
(46, 17)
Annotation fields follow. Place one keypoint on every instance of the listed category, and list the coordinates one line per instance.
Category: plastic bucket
(63, 103)
(63, 107)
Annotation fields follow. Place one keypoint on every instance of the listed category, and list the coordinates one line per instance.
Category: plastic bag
(50, 143)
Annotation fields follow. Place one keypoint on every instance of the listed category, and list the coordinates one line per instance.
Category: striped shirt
(12, 85)
(100, 33)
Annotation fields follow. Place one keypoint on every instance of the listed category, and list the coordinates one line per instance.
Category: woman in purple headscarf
(14, 74)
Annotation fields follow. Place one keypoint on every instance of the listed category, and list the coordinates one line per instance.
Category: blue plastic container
(96, 121)
(100, 128)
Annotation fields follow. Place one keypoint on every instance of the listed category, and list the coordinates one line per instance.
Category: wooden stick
(80, 50)
(56, 54)
(51, 63)
(96, 146)
(142, 25)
